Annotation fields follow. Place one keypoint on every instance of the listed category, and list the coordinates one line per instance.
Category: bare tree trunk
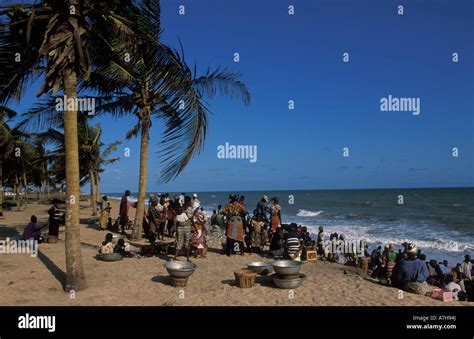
(93, 197)
(75, 278)
(137, 226)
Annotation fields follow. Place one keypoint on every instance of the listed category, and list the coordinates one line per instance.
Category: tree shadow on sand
(59, 274)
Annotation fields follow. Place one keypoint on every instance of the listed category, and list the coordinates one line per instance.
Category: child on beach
(106, 246)
(122, 248)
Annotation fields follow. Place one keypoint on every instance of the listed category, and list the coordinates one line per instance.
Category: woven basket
(179, 282)
(245, 278)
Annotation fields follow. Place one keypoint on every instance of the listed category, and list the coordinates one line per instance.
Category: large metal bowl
(286, 267)
(110, 256)
(261, 267)
(180, 269)
(116, 237)
(288, 283)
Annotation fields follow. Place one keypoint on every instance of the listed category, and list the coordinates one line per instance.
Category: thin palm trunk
(1, 188)
(17, 192)
(137, 227)
(75, 278)
(97, 183)
(25, 182)
(93, 197)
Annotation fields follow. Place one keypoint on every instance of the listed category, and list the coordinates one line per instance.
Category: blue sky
(337, 104)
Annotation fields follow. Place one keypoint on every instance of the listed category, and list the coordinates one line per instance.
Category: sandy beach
(37, 281)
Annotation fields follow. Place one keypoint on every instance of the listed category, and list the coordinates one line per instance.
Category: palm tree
(92, 157)
(7, 145)
(152, 86)
(104, 159)
(55, 37)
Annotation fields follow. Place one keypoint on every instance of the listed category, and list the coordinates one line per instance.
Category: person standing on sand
(104, 212)
(320, 243)
(123, 212)
(275, 214)
(55, 219)
(184, 219)
(262, 209)
(391, 259)
(196, 202)
(235, 212)
(466, 268)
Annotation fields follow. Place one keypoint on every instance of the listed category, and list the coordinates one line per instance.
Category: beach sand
(37, 281)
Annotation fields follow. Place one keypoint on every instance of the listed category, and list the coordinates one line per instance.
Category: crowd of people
(183, 218)
(407, 269)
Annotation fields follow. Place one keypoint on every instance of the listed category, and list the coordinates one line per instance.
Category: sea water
(439, 220)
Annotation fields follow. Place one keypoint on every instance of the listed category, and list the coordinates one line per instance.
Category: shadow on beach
(59, 274)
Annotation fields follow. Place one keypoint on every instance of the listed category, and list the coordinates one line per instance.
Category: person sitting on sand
(451, 286)
(32, 230)
(121, 248)
(436, 277)
(106, 247)
(413, 273)
(293, 244)
(110, 225)
(55, 219)
(307, 238)
(276, 245)
(444, 267)
(183, 219)
(376, 261)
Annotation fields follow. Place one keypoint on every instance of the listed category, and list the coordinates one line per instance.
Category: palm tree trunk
(17, 192)
(1, 188)
(25, 182)
(137, 226)
(97, 184)
(75, 278)
(93, 197)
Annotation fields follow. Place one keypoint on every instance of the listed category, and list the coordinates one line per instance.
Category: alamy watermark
(400, 105)
(75, 104)
(345, 247)
(228, 151)
(29, 246)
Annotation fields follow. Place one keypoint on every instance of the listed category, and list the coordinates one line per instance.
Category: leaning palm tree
(165, 88)
(55, 37)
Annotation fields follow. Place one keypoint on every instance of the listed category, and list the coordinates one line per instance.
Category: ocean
(439, 220)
